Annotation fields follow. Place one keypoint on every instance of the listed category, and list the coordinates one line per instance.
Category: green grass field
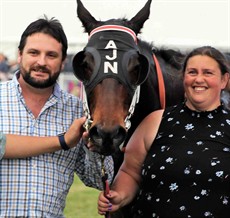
(81, 201)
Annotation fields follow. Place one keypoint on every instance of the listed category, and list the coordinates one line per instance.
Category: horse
(112, 66)
(120, 80)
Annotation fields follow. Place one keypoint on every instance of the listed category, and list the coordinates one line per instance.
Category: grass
(81, 201)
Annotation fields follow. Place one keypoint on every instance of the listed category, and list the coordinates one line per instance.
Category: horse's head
(111, 68)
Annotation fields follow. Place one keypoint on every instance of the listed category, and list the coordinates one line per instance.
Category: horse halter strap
(86, 111)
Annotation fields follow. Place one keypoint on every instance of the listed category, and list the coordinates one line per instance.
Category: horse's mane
(174, 57)
(171, 56)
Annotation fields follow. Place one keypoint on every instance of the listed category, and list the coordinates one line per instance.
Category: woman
(177, 161)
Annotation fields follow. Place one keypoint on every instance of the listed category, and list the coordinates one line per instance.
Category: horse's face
(110, 68)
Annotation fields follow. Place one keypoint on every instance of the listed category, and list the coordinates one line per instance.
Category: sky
(179, 24)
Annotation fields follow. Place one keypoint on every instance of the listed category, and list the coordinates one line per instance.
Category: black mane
(171, 56)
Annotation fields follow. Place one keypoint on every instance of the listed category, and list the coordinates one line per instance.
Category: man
(33, 104)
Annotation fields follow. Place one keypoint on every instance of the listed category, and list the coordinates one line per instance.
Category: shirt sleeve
(2, 144)
(89, 167)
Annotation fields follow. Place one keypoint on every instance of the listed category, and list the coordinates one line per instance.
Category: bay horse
(119, 75)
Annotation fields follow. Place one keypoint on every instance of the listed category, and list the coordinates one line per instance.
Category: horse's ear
(139, 19)
(88, 21)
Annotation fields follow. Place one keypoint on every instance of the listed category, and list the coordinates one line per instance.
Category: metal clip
(87, 124)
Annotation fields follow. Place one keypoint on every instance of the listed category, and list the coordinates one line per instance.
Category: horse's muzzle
(105, 141)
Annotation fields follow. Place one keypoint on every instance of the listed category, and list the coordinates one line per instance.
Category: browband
(114, 27)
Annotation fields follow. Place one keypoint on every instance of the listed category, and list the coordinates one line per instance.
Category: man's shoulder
(66, 96)
(6, 84)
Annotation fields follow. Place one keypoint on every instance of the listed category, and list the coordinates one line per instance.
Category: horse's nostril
(107, 139)
(118, 133)
(120, 136)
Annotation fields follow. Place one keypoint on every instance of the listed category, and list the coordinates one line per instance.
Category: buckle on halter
(87, 124)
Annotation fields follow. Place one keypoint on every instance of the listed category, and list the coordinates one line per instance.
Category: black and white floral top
(187, 170)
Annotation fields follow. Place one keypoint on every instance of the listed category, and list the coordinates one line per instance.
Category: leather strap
(161, 83)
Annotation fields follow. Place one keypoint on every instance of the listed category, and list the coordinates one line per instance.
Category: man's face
(41, 60)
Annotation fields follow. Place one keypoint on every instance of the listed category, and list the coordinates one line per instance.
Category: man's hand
(75, 132)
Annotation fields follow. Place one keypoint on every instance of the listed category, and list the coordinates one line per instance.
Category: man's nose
(41, 60)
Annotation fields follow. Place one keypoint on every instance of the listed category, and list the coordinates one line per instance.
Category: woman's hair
(51, 27)
(212, 53)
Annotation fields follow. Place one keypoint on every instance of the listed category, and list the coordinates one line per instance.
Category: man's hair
(51, 27)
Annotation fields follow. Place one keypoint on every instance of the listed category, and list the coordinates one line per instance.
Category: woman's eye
(208, 73)
(191, 72)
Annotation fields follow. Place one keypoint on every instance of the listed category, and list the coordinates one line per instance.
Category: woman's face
(203, 83)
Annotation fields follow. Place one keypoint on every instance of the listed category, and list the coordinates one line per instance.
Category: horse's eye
(135, 73)
(134, 70)
(88, 64)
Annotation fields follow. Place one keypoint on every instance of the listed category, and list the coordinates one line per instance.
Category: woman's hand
(109, 203)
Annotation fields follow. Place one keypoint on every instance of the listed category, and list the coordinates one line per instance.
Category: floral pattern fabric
(187, 170)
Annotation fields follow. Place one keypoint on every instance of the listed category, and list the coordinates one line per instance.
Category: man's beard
(26, 75)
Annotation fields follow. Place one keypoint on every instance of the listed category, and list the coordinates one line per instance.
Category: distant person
(177, 161)
(4, 67)
(225, 95)
(32, 104)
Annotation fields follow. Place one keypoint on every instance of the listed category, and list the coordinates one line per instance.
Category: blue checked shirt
(38, 186)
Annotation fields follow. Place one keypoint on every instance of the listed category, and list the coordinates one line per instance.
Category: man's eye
(32, 52)
(52, 55)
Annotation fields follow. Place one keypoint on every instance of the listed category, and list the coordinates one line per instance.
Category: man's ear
(63, 64)
(19, 59)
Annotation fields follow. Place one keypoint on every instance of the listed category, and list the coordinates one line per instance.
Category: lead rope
(105, 181)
